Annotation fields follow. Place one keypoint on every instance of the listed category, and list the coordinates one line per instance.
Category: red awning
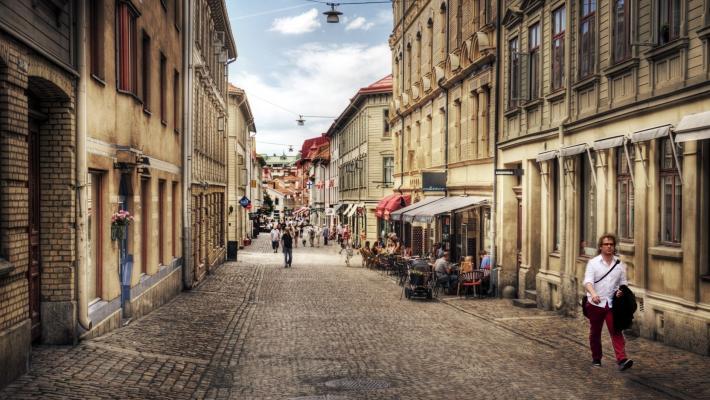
(380, 209)
(395, 204)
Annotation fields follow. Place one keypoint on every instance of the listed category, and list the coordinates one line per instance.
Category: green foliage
(268, 206)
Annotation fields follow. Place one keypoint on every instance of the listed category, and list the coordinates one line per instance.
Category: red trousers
(597, 316)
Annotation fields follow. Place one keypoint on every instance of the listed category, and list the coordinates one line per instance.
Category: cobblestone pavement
(319, 330)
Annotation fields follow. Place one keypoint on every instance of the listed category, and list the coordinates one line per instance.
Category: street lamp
(332, 16)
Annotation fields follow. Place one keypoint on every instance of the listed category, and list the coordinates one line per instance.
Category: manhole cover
(357, 384)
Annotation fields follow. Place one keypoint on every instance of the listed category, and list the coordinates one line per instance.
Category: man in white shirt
(275, 238)
(602, 278)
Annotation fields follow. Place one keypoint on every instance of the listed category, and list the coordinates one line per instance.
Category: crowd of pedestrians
(289, 233)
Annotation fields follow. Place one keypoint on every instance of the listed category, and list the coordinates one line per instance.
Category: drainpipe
(446, 106)
(188, 68)
(567, 299)
(82, 237)
(401, 117)
(496, 126)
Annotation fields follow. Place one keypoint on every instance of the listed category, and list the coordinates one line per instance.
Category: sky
(291, 62)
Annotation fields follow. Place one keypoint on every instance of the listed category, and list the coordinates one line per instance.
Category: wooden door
(35, 260)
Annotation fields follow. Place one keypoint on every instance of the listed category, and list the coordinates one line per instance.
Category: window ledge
(673, 253)
(555, 254)
(532, 103)
(147, 112)
(586, 82)
(556, 95)
(177, 131)
(667, 49)
(512, 112)
(5, 268)
(704, 32)
(164, 122)
(622, 67)
(98, 80)
(626, 248)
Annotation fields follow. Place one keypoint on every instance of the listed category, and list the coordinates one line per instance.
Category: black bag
(584, 299)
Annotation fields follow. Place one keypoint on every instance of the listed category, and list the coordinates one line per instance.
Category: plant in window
(119, 224)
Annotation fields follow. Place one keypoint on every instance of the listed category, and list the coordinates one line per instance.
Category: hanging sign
(244, 201)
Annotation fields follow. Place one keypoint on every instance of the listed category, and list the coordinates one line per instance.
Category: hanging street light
(332, 16)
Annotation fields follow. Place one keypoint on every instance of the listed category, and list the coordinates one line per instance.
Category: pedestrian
(326, 233)
(363, 237)
(295, 237)
(286, 245)
(339, 232)
(275, 237)
(311, 234)
(319, 233)
(604, 275)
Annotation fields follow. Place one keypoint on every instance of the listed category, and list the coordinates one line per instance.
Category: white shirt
(275, 235)
(607, 287)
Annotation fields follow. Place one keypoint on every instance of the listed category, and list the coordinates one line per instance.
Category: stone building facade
(443, 115)
(364, 148)
(38, 100)
(241, 128)
(211, 48)
(602, 109)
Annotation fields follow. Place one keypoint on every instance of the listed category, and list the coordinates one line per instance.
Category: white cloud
(302, 23)
(320, 80)
(359, 23)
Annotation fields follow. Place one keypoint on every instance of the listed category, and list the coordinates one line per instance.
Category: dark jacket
(287, 241)
(624, 309)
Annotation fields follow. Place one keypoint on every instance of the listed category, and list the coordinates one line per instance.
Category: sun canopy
(444, 205)
(693, 127)
(397, 215)
(380, 209)
(395, 204)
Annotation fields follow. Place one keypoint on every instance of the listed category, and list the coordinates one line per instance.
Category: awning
(609, 143)
(650, 134)
(395, 204)
(397, 215)
(569, 151)
(693, 127)
(444, 205)
(380, 209)
(546, 155)
(337, 207)
(349, 207)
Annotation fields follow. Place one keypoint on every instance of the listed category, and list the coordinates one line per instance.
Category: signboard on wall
(433, 181)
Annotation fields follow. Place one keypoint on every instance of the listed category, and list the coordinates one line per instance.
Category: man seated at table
(445, 275)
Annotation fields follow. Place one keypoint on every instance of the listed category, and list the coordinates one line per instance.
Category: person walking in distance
(602, 278)
(326, 233)
(275, 237)
(287, 246)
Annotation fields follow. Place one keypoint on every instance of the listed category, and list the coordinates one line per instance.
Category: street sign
(510, 171)
(433, 181)
(244, 201)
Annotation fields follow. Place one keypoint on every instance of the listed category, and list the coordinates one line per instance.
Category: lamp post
(332, 16)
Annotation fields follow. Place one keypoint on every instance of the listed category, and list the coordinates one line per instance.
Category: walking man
(275, 237)
(311, 234)
(286, 245)
(318, 234)
(326, 232)
(602, 278)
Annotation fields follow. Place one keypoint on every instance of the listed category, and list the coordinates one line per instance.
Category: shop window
(625, 194)
(587, 45)
(145, 217)
(556, 204)
(161, 222)
(127, 52)
(96, 232)
(671, 189)
(621, 30)
(588, 209)
(558, 48)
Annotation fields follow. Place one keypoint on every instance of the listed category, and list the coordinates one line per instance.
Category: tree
(268, 204)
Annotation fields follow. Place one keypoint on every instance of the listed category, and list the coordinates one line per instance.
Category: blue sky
(292, 62)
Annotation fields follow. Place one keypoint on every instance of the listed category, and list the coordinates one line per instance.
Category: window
(625, 194)
(557, 202)
(586, 38)
(163, 84)
(558, 48)
(668, 20)
(145, 217)
(670, 194)
(145, 72)
(176, 100)
(459, 23)
(96, 38)
(534, 61)
(514, 73)
(174, 224)
(388, 171)
(178, 13)
(161, 222)
(588, 209)
(386, 122)
(621, 31)
(127, 52)
(430, 35)
(96, 235)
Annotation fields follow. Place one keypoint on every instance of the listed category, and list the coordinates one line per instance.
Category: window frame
(177, 101)
(385, 168)
(126, 43)
(622, 39)
(163, 88)
(145, 70)
(386, 124)
(534, 61)
(670, 172)
(556, 205)
(557, 81)
(672, 33)
(625, 220)
(513, 72)
(587, 56)
(96, 31)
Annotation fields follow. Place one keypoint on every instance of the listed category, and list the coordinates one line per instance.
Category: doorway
(33, 207)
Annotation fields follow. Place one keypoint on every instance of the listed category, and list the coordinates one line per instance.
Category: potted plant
(119, 224)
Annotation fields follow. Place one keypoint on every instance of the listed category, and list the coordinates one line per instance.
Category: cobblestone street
(320, 330)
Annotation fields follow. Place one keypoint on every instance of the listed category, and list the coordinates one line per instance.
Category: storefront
(384, 210)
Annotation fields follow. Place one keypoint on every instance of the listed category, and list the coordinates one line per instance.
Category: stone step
(524, 303)
(531, 294)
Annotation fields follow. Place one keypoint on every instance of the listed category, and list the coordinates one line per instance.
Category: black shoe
(596, 363)
(625, 364)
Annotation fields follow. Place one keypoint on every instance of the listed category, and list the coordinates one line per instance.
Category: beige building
(211, 48)
(604, 109)
(443, 120)
(239, 146)
(365, 156)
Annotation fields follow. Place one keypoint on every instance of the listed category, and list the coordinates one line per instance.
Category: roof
(308, 143)
(282, 159)
(383, 86)
(221, 23)
(243, 103)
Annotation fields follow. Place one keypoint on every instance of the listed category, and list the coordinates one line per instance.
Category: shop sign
(510, 171)
(433, 181)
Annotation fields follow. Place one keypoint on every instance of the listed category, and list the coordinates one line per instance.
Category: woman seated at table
(407, 251)
(365, 253)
